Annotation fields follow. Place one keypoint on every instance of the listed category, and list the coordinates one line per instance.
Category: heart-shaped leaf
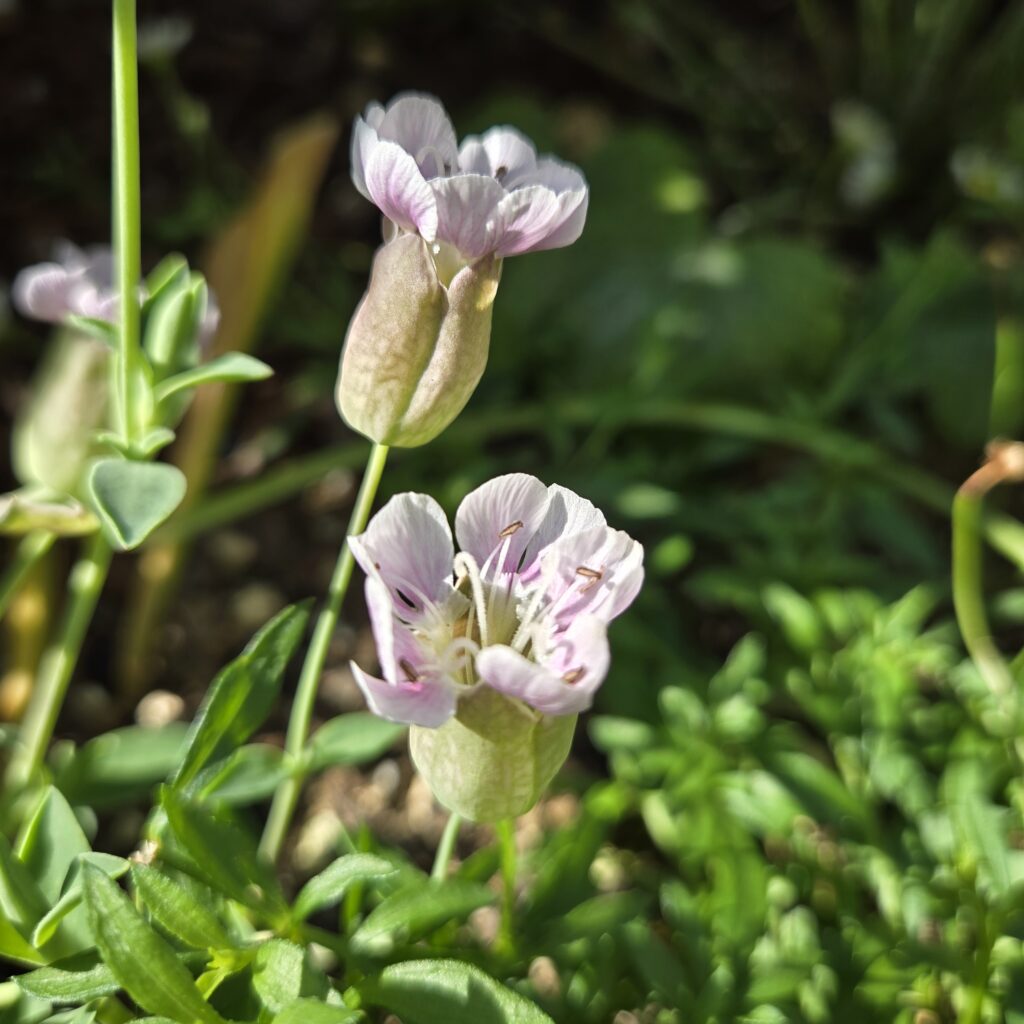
(133, 498)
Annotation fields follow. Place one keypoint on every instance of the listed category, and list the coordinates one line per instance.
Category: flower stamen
(466, 567)
(410, 673)
(574, 676)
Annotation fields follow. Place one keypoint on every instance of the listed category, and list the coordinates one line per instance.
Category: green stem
(127, 214)
(968, 600)
(31, 548)
(287, 795)
(507, 839)
(982, 959)
(444, 848)
(58, 663)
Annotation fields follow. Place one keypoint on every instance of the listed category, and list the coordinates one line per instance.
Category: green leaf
(313, 1011)
(232, 367)
(249, 774)
(74, 980)
(172, 325)
(243, 693)
(50, 842)
(122, 765)
(448, 992)
(141, 961)
(14, 945)
(415, 911)
(282, 973)
(21, 901)
(352, 739)
(101, 330)
(157, 438)
(71, 895)
(329, 887)
(133, 498)
(178, 907)
(172, 270)
(223, 855)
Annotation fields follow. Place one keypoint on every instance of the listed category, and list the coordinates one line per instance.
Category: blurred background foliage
(791, 325)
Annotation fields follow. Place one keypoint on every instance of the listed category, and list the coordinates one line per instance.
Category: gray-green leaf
(177, 906)
(352, 739)
(329, 887)
(133, 498)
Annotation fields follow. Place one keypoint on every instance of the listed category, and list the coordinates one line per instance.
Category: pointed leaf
(142, 962)
(14, 945)
(230, 367)
(415, 911)
(177, 906)
(352, 739)
(223, 855)
(133, 498)
(50, 842)
(282, 973)
(71, 895)
(329, 887)
(243, 693)
(448, 992)
(74, 980)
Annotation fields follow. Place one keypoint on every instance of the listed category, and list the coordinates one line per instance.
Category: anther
(501, 172)
(511, 529)
(574, 676)
(410, 673)
(592, 576)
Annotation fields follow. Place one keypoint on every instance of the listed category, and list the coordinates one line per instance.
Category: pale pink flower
(522, 609)
(491, 196)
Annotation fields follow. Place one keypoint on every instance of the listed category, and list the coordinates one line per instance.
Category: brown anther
(574, 676)
(501, 172)
(376, 566)
(511, 529)
(410, 673)
(592, 576)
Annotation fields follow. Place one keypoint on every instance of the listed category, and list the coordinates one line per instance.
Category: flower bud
(416, 347)
(494, 759)
(53, 437)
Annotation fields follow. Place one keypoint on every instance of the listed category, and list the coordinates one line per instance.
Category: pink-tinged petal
(364, 139)
(565, 683)
(527, 216)
(467, 213)
(420, 125)
(567, 226)
(408, 545)
(43, 291)
(567, 513)
(504, 511)
(598, 572)
(85, 299)
(394, 183)
(429, 704)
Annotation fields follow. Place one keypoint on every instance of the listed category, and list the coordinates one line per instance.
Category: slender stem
(507, 838)
(127, 213)
(31, 548)
(444, 848)
(287, 795)
(58, 663)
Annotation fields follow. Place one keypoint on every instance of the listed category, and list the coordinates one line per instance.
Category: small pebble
(159, 708)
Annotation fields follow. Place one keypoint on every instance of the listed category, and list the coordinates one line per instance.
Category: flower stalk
(127, 216)
(1005, 462)
(287, 795)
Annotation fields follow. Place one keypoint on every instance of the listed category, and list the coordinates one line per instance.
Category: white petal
(510, 154)
(572, 215)
(395, 184)
(43, 291)
(567, 514)
(557, 175)
(473, 157)
(408, 545)
(419, 124)
(364, 139)
(527, 215)
(506, 509)
(467, 215)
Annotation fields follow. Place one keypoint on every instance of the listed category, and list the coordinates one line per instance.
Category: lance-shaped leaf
(329, 887)
(417, 910)
(243, 693)
(177, 905)
(144, 965)
(282, 973)
(77, 979)
(312, 1011)
(448, 992)
(71, 895)
(352, 739)
(50, 842)
(231, 367)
